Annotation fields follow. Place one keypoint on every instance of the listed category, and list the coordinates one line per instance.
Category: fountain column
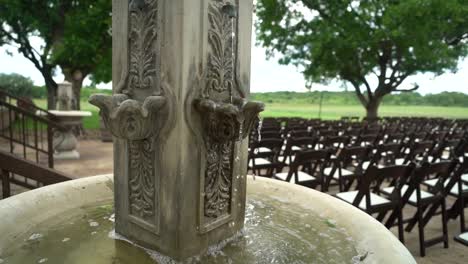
(180, 120)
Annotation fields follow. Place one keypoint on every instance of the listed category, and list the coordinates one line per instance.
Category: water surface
(275, 232)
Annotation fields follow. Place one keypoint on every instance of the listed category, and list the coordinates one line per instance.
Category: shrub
(16, 84)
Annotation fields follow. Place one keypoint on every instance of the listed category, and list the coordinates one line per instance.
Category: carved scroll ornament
(127, 118)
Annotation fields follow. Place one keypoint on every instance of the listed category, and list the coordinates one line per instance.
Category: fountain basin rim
(20, 213)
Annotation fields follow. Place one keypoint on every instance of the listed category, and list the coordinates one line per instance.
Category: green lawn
(336, 111)
(311, 111)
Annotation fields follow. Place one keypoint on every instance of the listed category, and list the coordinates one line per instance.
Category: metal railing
(22, 172)
(27, 130)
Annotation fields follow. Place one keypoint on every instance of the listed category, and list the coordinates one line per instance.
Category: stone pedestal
(65, 142)
(65, 146)
(180, 116)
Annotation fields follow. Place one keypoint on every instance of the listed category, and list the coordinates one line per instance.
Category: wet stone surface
(275, 232)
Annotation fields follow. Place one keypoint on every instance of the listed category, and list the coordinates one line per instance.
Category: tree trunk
(372, 108)
(51, 94)
(76, 78)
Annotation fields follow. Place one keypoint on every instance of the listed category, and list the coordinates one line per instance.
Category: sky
(266, 75)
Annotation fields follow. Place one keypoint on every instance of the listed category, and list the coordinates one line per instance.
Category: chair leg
(462, 216)
(455, 209)
(422, 247)
(381, 216)
(432, 210)
(348, 184)
(401, 233)
(444, 224)
(414, 220)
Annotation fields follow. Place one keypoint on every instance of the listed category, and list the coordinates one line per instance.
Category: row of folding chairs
(321, 162)
(425, 187)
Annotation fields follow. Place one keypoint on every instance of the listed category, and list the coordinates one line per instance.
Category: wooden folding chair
(265, 160)
(307, 168)
(413, 195)
(457, 188)
(417, 152)
(347, 167)
(296, 144)
(373, 203)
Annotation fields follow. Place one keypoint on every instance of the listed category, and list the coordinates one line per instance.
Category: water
(275, 232)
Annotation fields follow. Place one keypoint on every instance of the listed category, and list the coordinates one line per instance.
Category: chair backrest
(420, 149)
(270, 134)
(311, 161)
(356, 155)
(447, 145)
(367, 140)
(399, 175)
(335, 142)
(386, 153)
(273, 144)
(456, 178)
(395, 138)
(325, 132)
(299, 133)
(439, 170)
(303, 143)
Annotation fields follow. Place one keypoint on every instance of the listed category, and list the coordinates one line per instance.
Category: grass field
(312, 111)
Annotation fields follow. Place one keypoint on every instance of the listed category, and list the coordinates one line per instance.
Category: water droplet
(35, 236)
(66, 239)
(43, 260)
(93, 224)
(112, 218)
(93, 233)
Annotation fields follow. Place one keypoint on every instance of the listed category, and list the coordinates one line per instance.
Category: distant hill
(349, 98)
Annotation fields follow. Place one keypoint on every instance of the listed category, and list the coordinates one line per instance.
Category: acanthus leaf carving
(141, 181)
(218, 179)
(220, 76)
(143, 35)
(224, 124)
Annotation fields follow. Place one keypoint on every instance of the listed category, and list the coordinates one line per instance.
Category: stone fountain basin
(21, 213)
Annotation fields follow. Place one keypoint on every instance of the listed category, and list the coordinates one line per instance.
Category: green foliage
(356, 41)
(41, 92)
(75, 35)
(87, 40)
(16, 84)
(86, 92)
(349, 99)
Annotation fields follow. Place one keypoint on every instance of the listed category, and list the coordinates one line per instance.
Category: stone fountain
(180, 117)
(65, 141)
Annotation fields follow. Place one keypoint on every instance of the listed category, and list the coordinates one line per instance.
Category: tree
(87, 45)
(16, 84)
(74, 33)
(19, 25)
(374, 45)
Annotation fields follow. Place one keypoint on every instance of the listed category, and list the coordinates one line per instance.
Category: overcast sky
(267, 76)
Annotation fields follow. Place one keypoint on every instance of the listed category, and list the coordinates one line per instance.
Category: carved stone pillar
(180, 118)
